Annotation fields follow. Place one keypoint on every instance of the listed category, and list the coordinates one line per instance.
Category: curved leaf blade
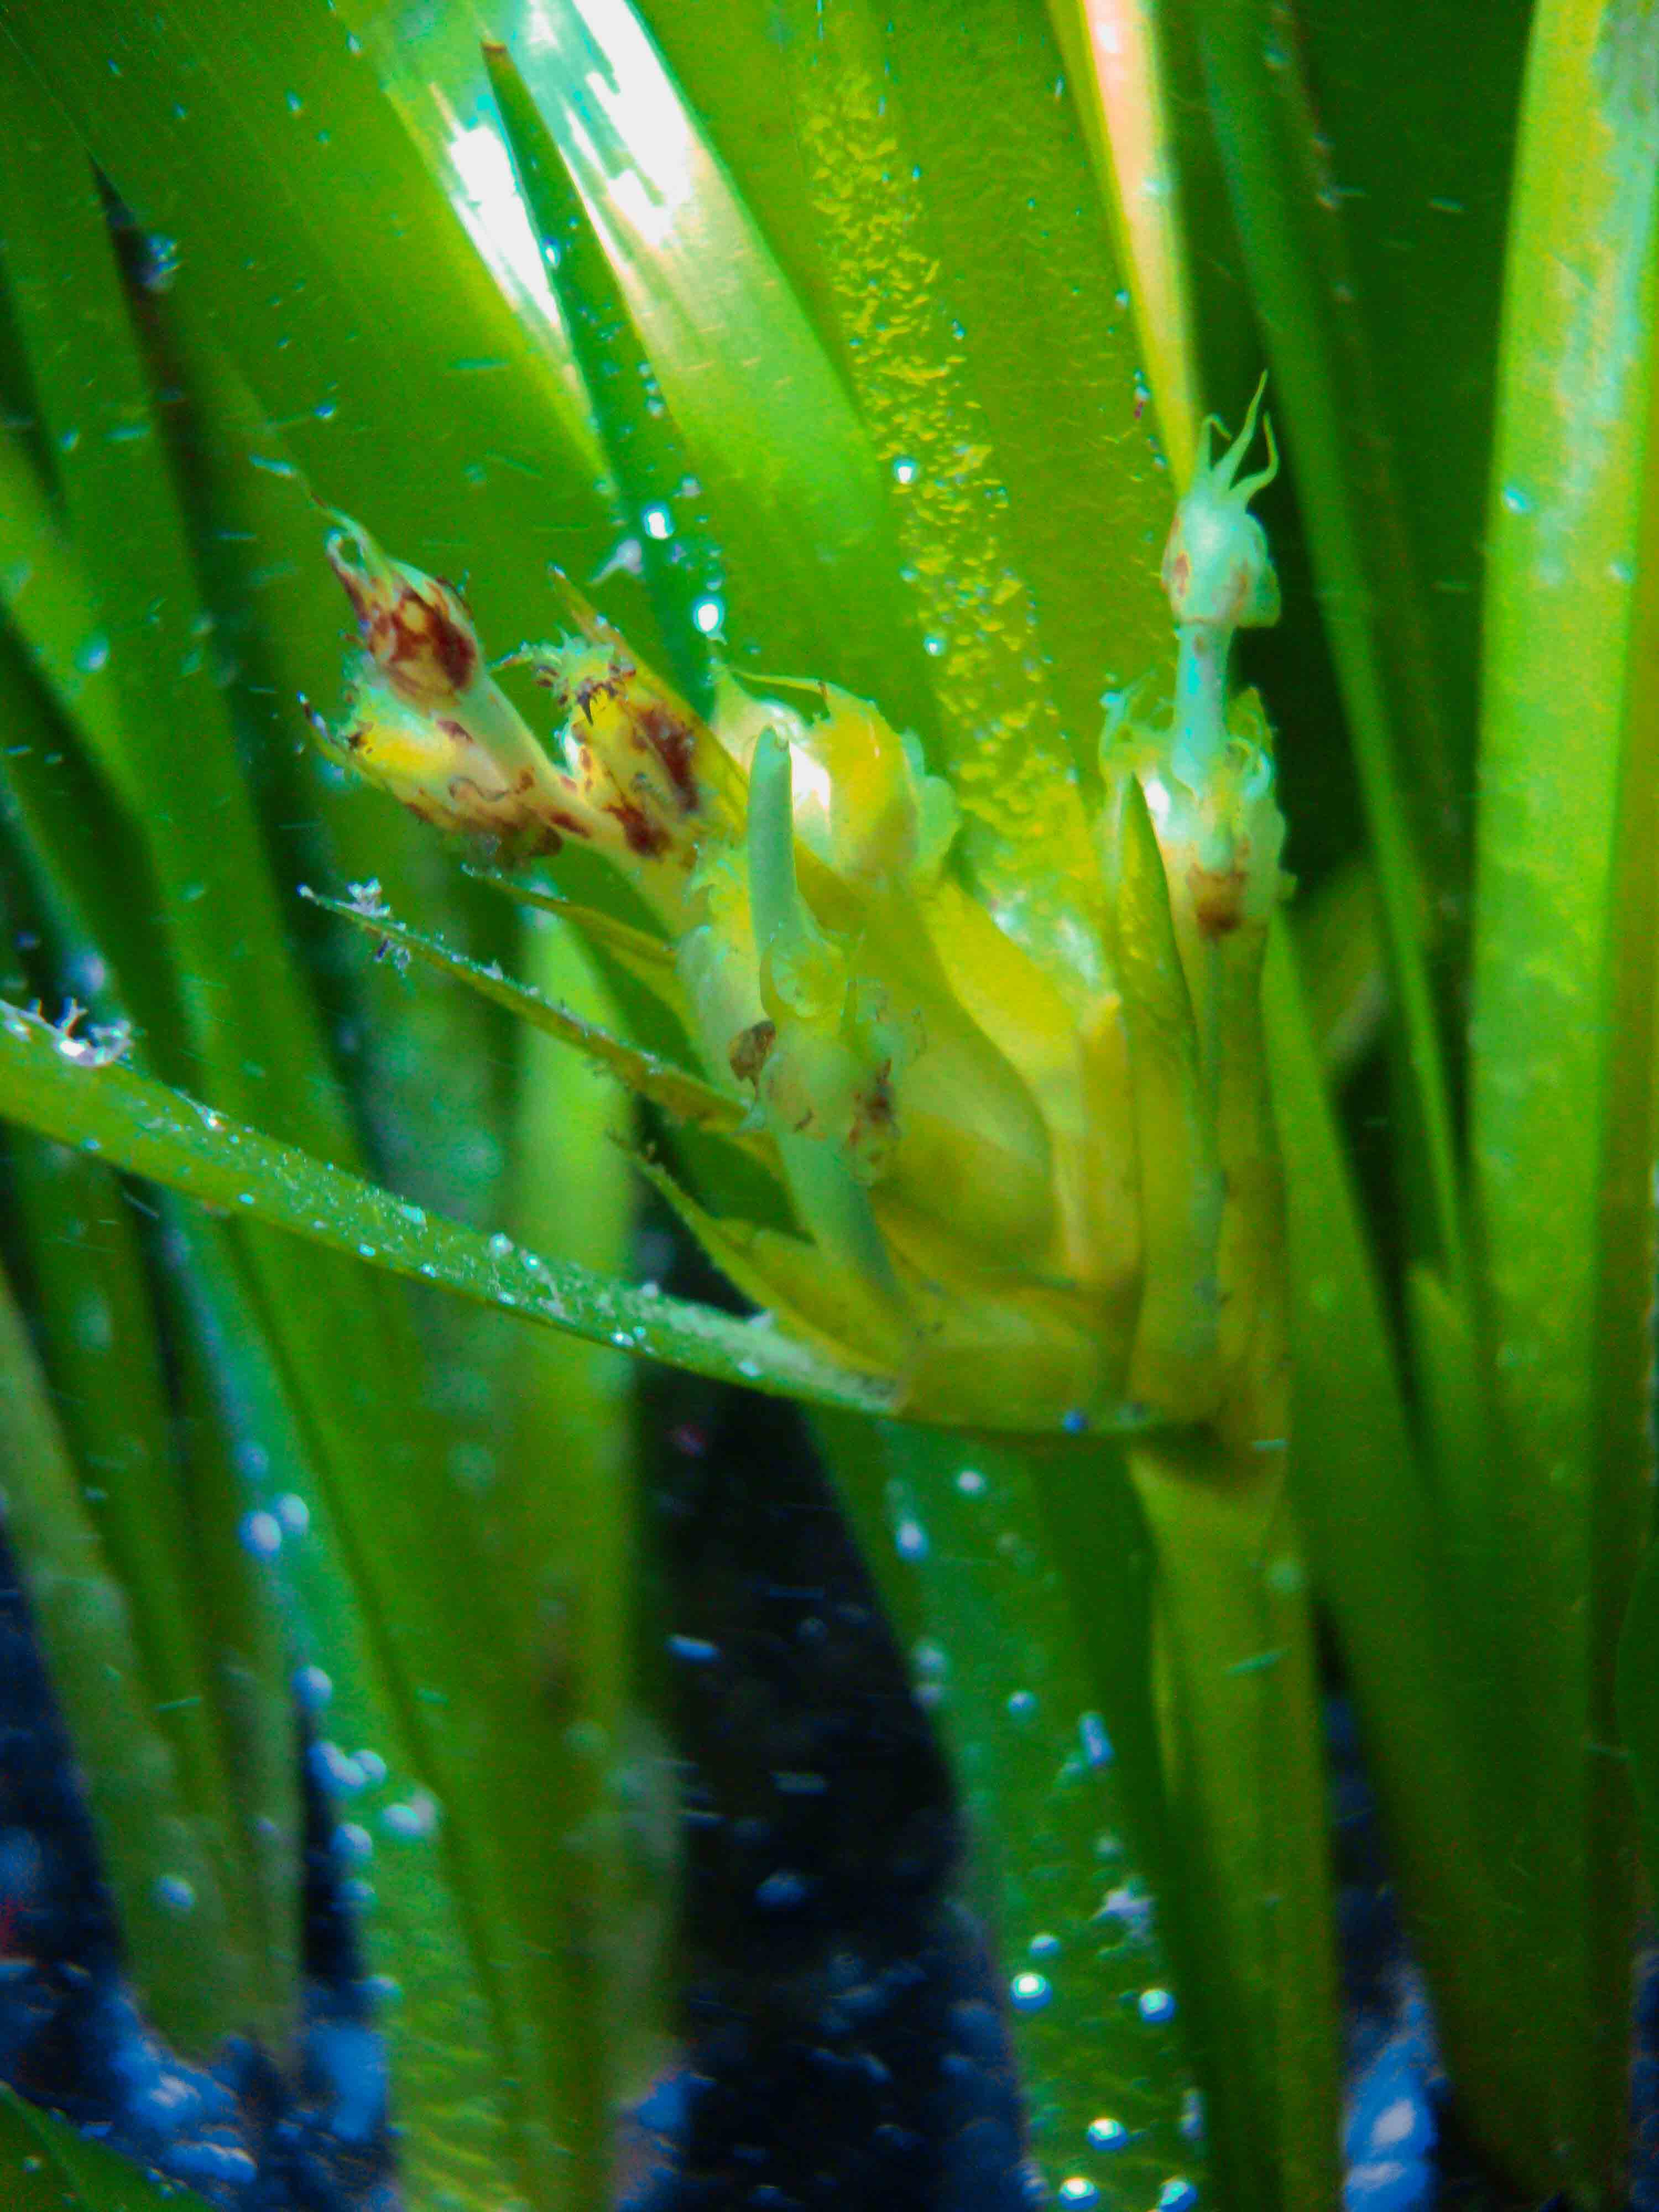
(149, 1130)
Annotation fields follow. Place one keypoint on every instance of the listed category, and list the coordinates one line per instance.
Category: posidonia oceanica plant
(1167, 1264)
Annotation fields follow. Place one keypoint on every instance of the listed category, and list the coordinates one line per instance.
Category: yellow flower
(1031, 1205)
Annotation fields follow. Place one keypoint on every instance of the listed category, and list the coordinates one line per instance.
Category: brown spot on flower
(750, 1049)
(674, 741)
(872, 1113)
(1217, 900)
(429, 649)
(644, 836)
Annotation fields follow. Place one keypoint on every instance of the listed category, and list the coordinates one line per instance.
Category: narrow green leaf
(1431, 1704)
(1247, 1793)
(373, 1688)
(686, 1097)
(1118, 81)
(154, 1854)
(961, 1536)
(91, 1302)
(1290, 223)
(47, 2167)
(1563, 1028)
(152, 1131)
(641, 440)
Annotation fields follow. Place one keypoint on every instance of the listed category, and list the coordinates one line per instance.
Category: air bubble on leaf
(1156, 2006)
(261, 1534)
(1077, 2189)
(970, 1482)
(1044, 1946)
(175, 1893)
(312, 1688)
(414, 1819)
(1177, 2195)
(353, 1842)
(91, 654)
(1029, 1992)
(1107, 2134)
(333, 1770)
(294, 1513)
(708, 614)
(659, 523)
(1021, 1704)
(295, 105)
(933, 646)
(1515, 500)
(904, 471)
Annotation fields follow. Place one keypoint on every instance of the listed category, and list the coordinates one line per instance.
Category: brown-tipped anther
(416, 628)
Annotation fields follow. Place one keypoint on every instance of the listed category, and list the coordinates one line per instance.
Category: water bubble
(366, 1251)
(261, 1534)
(414, 1819)
(1028, 1992)
(970, 1482)
(294, 1513)
(910, 1539)
(500, 1247)
(1177, 2195)
(295, 105)
(326, 411)
(933, 646)
(1044, 1946)
(1078, 2189)
(1155, 2006)
(904, 471)
(782, 1892)
(160, 262)
(659, 523)
(371, 1767)
(91, 654)
(332, 1770)
(1096, 1744)
(1021, 1704)
(929, 1658)
(174, 1892)
(1516, 501)
(790, 1783)
(708, 614)
(1108, 2134)
(312, 1688)
(353, 1841)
